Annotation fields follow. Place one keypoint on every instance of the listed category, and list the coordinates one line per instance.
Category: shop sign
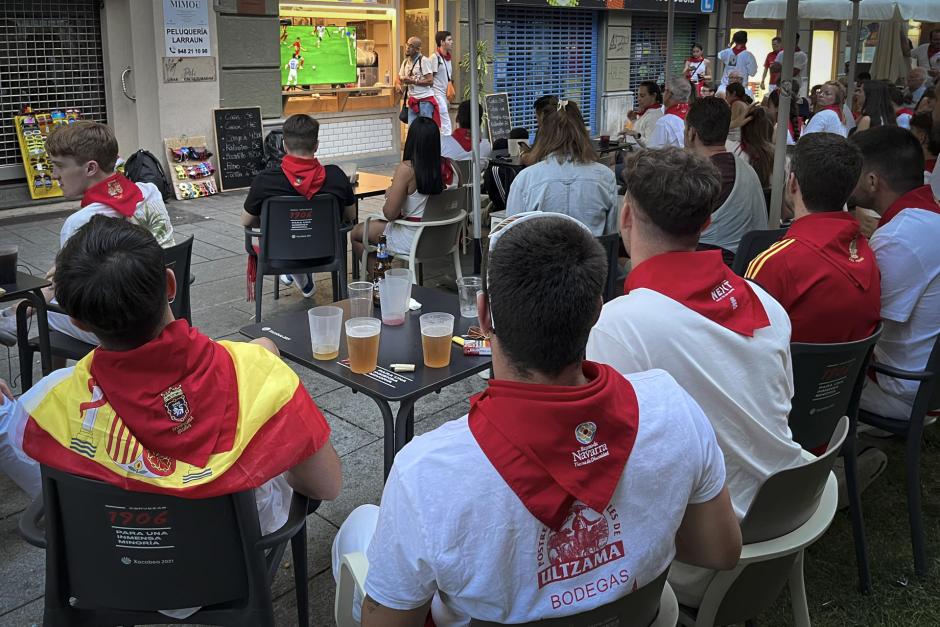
(660, 6)
(186, 28)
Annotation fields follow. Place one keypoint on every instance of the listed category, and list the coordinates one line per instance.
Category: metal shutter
(541, 50)
(647, 62)
(50, 58)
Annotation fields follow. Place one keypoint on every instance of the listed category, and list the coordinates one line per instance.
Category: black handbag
(403, 114)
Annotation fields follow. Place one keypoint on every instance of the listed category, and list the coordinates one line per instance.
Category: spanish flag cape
(180, 415)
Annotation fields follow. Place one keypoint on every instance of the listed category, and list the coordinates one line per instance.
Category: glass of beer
(326, 326)
(362, 340)
(437, 329)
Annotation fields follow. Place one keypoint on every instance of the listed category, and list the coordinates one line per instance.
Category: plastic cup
(8, 263)
(437, 329)
(362, 340)
(326, 327)
(467, 289)
(360, 299)
(394, 294)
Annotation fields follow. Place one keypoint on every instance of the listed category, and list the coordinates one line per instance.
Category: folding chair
(912, 429)
(115, 557)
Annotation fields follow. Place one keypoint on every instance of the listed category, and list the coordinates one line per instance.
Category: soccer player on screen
(298, 47)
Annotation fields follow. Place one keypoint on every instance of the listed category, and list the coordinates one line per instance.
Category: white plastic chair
(436, 235)
(354, 567)
(807, 493)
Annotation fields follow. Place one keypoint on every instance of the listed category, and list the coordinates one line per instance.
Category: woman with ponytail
(566, 177)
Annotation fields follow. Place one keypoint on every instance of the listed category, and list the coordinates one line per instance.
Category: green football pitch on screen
(325, 60)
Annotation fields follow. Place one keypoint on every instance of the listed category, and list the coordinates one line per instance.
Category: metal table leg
(389, 431)
(405, 423)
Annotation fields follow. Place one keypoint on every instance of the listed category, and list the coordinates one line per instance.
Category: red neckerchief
(702, 282)
(930, 164)
(838, 111)
(180, 368)
(696, 59)
(650, 108)
(739, 49)
(442, 55)
(555, 444)
(305, 175)
(904, 110)
(117, 191)
(447, 172)
(462, 137)
(680, 110)
(918, 198)
(836, 237)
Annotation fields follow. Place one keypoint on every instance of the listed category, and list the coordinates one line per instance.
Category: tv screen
(318, 55)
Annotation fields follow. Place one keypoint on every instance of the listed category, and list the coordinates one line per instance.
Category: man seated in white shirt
(906, 247)
(670, 128)
(524, 510)
(724, 339)
(741, 206)
(457, 145)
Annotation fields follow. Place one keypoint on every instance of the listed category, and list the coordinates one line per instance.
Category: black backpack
(143, 167)
(274, 149)
(497, 178)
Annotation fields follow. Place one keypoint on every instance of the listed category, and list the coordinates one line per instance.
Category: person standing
(928, 55)
(769, 62)
(415, 78)
(737, 57)
(443, 84)
(697, 68)
(800, 60)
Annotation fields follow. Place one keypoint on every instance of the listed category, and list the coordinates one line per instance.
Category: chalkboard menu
(499, 121)
(240, 140)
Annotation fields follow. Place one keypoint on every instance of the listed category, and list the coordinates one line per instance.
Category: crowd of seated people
(686, 379)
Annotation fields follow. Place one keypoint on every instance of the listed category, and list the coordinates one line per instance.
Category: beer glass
(437, 329)
(360, 299)
(326, 327)
(362, 340)
(394, 293)
(467, 288)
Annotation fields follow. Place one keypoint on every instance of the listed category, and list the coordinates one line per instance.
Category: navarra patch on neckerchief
(585, 432)
(114, 188)
(177, 408)
(590, 451)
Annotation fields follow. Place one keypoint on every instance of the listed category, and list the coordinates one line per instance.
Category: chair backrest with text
(117, 550)
(297, 229)
(637, 609)
(827, 382)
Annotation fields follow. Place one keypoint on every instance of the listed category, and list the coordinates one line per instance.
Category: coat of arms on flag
(177, 407)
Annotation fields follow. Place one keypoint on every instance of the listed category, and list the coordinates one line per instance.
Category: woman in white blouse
(830, 117)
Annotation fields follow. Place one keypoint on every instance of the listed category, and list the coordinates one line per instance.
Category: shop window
(648, 44)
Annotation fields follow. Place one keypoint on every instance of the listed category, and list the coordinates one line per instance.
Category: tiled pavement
(219, 310)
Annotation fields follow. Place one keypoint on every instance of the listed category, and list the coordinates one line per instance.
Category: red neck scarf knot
(305, 175)
(444, 55)
(738, 49)
(462, 137)
(680, 110)
(918, 198)
(117, 191)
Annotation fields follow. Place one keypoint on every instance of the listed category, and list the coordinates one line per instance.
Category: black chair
(115, 557)
(298, 236)
(912, 429)
(828, 380)
(611, 244)
(752, 244)
(177, 257)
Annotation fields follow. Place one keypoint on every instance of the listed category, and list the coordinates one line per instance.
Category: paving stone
(320, 535)
(362, 483)
(22, 568)
(26, 615)
(321, 590)
(12, 499)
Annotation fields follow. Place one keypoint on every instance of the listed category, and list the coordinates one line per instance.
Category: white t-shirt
(443, 71)
(826, 121)
(744, 62)
(909, 259)
(744, 384)
(800, 61)
(920, 55)
(668, 131)
(646, 123)
(450, 524)
(151, 214)
(416, 70)
(451, 149)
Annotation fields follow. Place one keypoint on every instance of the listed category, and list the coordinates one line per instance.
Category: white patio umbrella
(890, 62)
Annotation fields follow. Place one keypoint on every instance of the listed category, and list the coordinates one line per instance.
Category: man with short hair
(800, 59)
(724, 339)
(415, 78)
(458, 145)
(669, 130)
(443, 71)
(741, 206)
(905, 245)
(916, 86)
(822, 271)
(769, 62)
(300, 173)
(737, 57)
(160, 407)
(83, 157)
(565, 476)
(927, 55)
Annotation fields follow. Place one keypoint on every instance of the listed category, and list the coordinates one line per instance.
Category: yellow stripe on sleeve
(758, 262)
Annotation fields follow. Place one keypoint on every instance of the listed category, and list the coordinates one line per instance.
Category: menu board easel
(239, 137)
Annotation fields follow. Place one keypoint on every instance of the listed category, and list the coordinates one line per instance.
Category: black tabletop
(24, 283)
(397, 345)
